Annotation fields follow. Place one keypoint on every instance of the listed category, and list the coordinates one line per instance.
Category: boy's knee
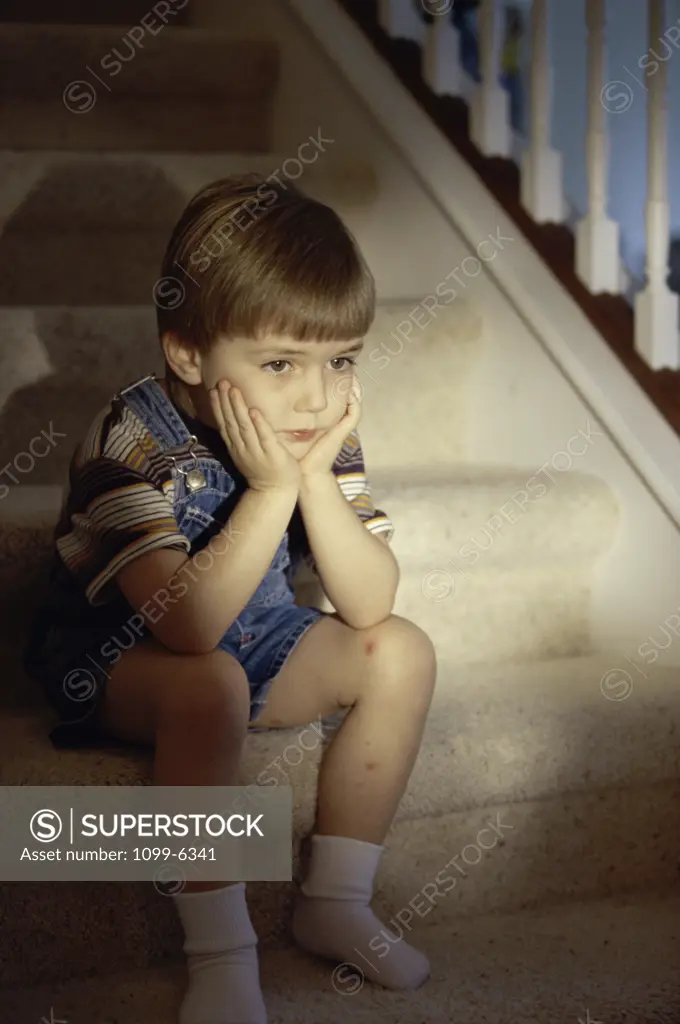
(400, 642)
(216, 687)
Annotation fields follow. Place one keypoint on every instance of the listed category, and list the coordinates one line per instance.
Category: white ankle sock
(332, 916)
(221, 949)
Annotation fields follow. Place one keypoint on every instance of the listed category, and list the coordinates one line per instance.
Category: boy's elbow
(368, 617)
(193, 645)
(184, 638)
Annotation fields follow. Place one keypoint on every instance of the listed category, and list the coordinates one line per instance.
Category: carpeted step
(102, 123)
(220, 66)
(54, 190)
(514, 796)
(466, 518)
(528, 599)
(86, 230)
(63, 364)
(605, 962)
(78, 12)
(495, 735)
(101, 89)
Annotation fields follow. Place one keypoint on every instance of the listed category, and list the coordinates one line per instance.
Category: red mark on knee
(369, 646)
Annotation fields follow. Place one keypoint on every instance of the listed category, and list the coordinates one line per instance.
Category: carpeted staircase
(571, 911)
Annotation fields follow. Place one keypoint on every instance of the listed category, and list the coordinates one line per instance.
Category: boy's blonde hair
(258, 257)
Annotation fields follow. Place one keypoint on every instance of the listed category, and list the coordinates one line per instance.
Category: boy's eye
(278, 364)
(343, 359)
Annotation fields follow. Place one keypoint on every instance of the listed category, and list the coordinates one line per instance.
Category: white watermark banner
(165, 834)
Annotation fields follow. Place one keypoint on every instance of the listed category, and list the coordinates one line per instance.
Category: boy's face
(297, 385)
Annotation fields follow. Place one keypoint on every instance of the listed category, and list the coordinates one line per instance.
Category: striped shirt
(121, 499)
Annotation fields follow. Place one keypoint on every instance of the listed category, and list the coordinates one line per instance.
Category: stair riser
(473, 754)
(146, 62)
(128, 124)
(577, 848)
(80, 268)
(515, 614)
(520, 615)
(573, 846)
(88, 191)
(81, 12)
(472, 527)
(92, 352)
(537, 968)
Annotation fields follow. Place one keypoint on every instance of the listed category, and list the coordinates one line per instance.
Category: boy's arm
(189, 607)
(357, 569)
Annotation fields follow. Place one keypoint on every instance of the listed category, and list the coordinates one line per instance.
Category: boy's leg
(386, 675)
(194, 709)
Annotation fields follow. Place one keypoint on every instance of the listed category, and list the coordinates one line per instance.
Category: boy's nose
(312, 398)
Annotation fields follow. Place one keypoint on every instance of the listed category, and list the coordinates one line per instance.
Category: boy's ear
(184, 360)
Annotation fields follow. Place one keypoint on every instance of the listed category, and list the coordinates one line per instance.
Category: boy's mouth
(301, 435)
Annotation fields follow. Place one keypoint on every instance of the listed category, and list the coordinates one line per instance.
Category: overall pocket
(202, 512)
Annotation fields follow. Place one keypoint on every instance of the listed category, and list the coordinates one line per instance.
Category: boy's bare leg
(386, 675)
(194, 709)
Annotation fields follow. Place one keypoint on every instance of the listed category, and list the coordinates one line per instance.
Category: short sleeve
(350, 472)
(113, 515)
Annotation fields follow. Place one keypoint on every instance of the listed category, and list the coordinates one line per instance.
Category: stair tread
(605, 961)
(396, 486)
(133, 122)
(111, 32)
(585, 847)
(120, 66)
(81, 190)
(513, 732)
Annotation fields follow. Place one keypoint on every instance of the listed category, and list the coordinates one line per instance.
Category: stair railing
(598, 256)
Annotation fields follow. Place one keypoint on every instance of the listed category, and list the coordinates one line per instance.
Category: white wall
(523, 409)
(525, 413)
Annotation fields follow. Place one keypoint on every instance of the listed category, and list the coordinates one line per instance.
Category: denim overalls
(74, 674)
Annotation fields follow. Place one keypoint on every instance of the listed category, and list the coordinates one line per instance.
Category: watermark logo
(343, 387)
(169, 880)
(438, 584)
(80, 95)
(437, 7)
(618, 96)
(347, 979)
(79, 684)
(169, 293)
(46, 826)
(616, 684)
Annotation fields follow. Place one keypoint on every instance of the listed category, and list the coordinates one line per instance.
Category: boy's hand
(320, 458)
(254, 447)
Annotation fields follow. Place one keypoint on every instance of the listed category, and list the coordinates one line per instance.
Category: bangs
(294, 270)
(303, 310)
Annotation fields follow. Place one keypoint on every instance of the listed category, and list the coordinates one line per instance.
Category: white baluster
(656, 308)
(597, 236)
(442, 69)
(542, 193)
(490, 108)
(401, 20)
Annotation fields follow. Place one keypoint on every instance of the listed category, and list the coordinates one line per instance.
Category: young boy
(247, 448)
